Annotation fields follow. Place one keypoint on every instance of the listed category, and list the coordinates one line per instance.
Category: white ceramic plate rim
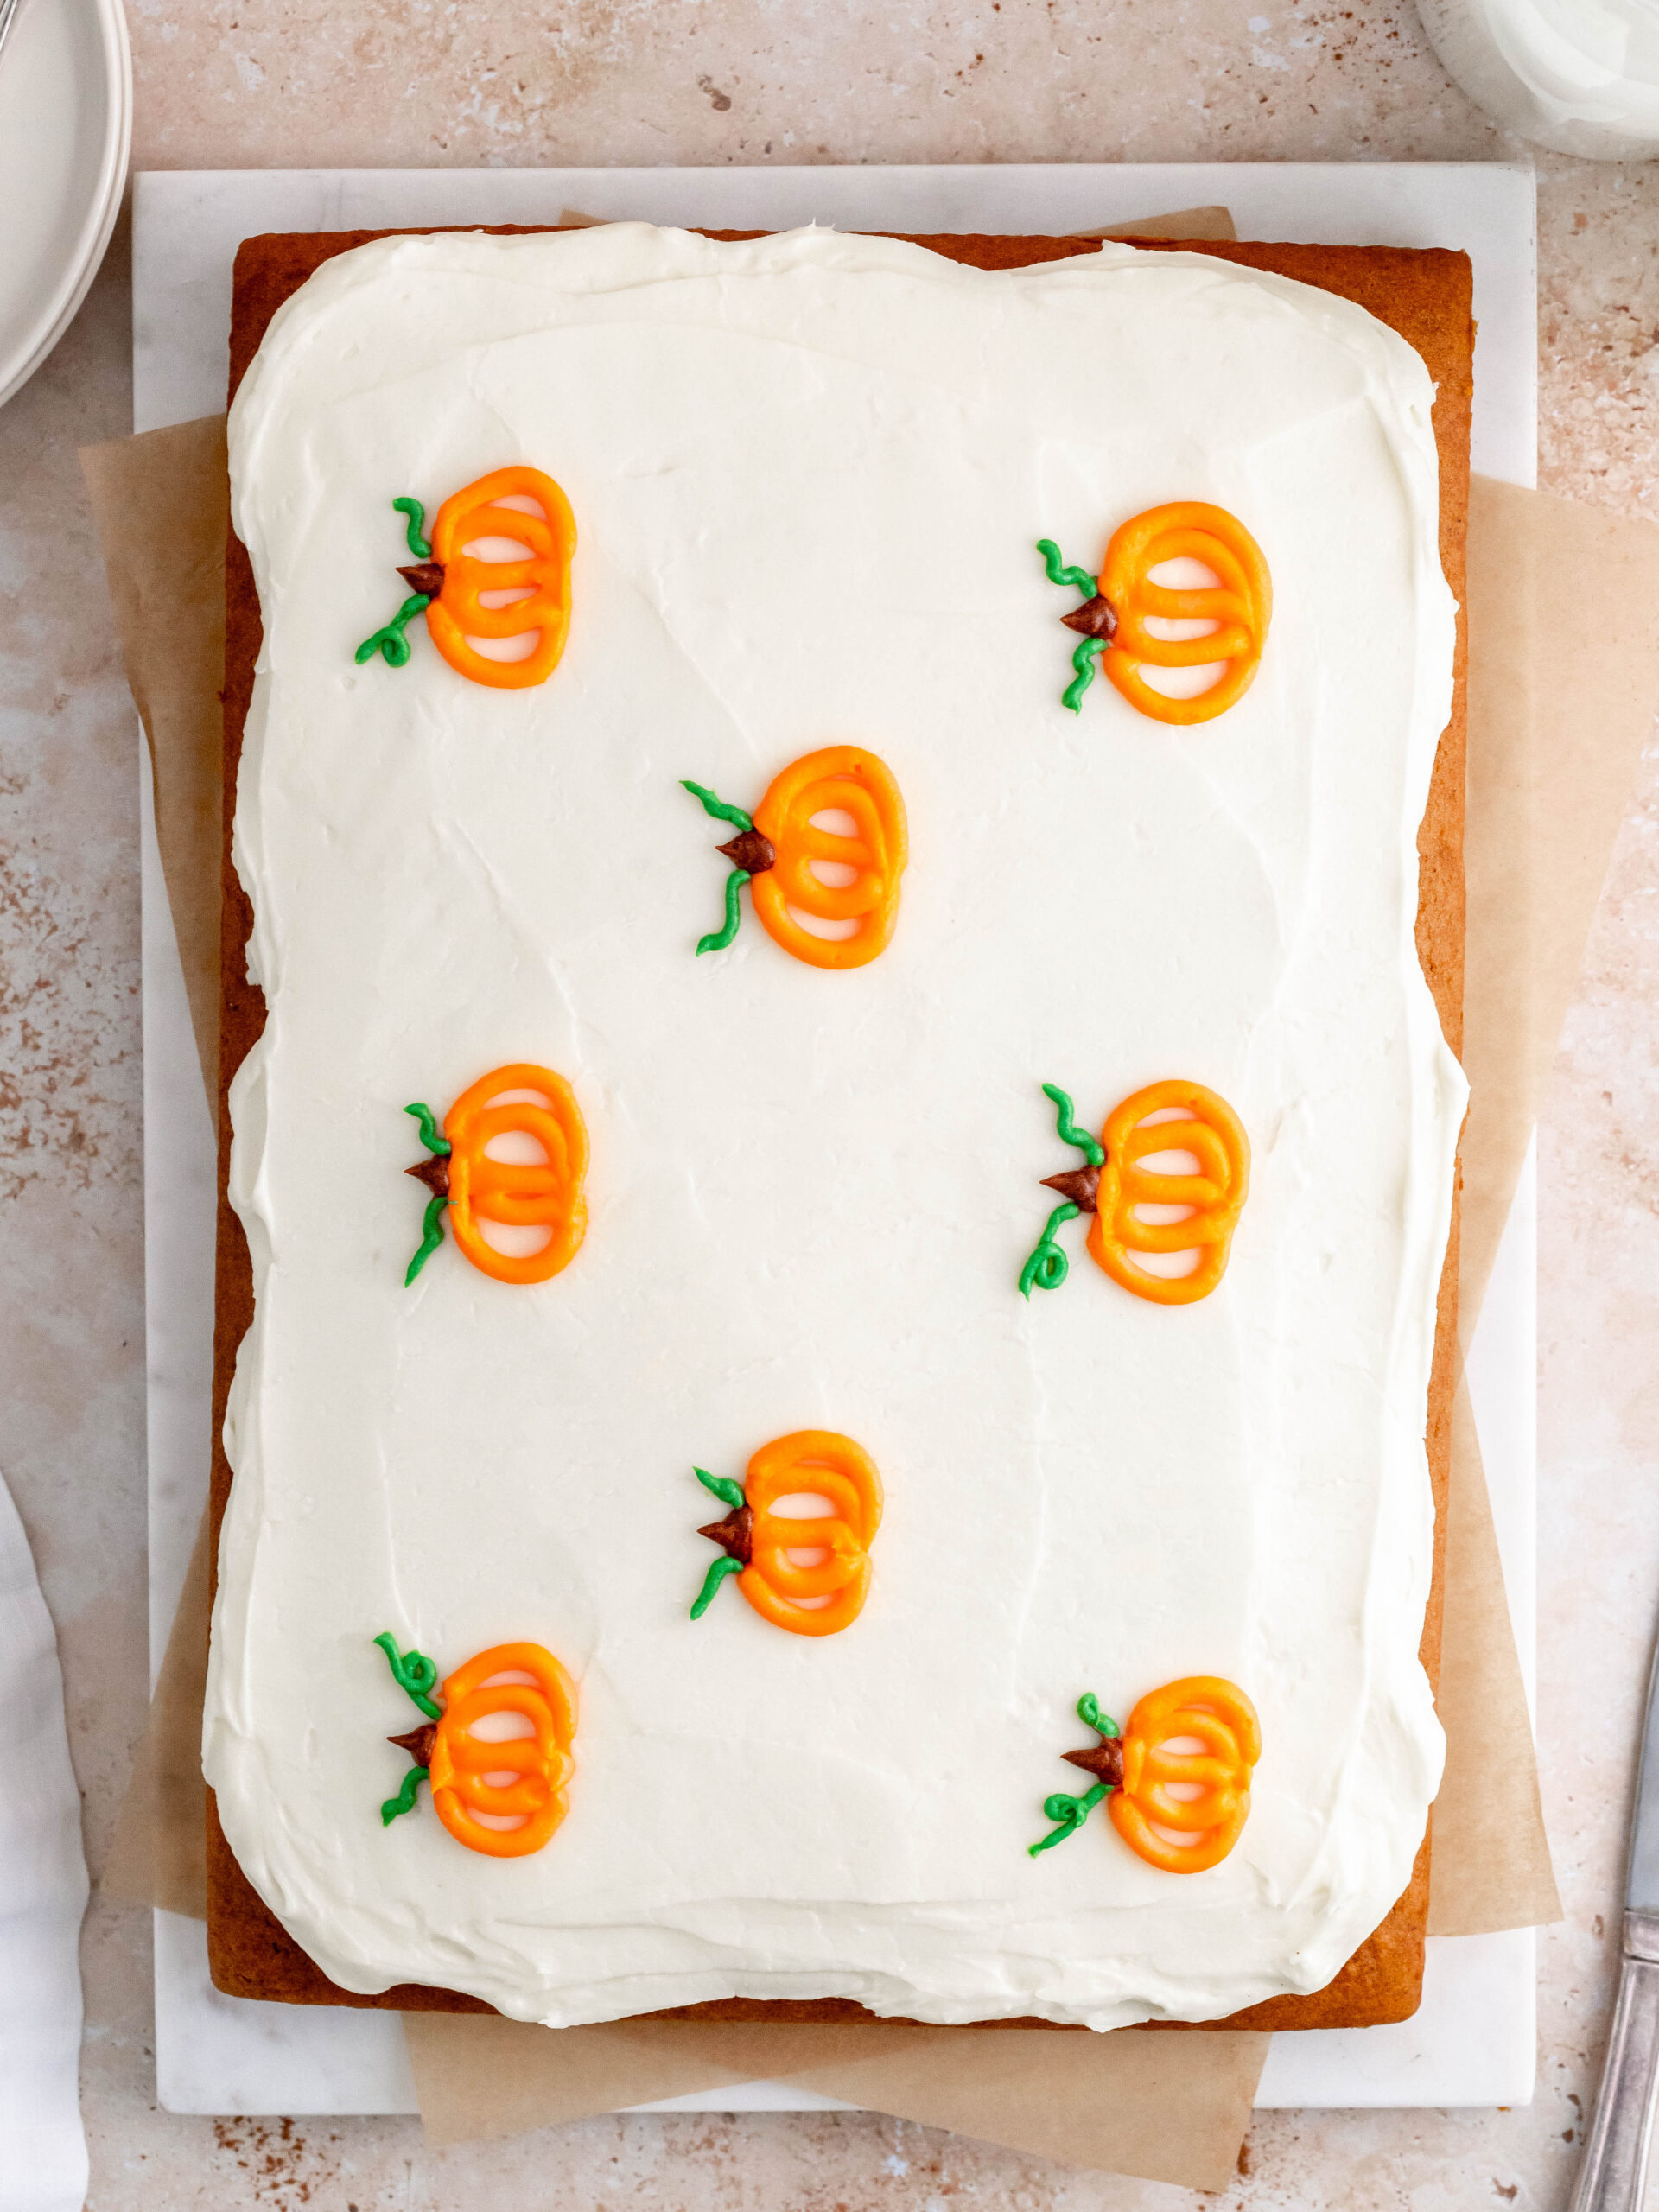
(104, 203)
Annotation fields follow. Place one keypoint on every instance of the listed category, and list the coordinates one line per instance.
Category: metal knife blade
(1641, 1877)
(1612, 2175)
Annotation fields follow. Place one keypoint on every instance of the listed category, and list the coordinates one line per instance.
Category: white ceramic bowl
(66, 130)
(1579, 76)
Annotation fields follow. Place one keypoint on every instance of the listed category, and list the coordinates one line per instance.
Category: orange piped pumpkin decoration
(502, 1795)
(1121, 603)
(1114, 1185)
(468, 598)
(819, 1597)
(780, 850)
(1210, 1129)
(1181, 1809)
(469, 1186)
(1219, 1716)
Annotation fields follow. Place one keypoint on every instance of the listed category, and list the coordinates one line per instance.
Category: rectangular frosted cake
(786, 1194)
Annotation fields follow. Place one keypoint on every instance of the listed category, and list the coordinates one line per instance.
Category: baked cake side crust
(1427, 297)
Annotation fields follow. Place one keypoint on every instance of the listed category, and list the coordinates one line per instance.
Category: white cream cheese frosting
(808, 473)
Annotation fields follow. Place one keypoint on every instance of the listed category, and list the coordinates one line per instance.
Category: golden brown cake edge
(1425, 296)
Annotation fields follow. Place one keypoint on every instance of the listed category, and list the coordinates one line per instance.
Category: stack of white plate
(65, 127)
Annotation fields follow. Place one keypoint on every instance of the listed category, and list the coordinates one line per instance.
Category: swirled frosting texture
(808, 473)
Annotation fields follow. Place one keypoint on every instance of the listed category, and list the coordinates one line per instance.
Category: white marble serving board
(1471, 2042)
(66, 130)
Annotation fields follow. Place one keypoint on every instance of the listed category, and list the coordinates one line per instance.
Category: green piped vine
(1047, 1266)
(1084, 661)
(431, 1237)
(1053, 561)
(413, 1671)
(717, 807)
(729, 1493)
(432, 1135)
(432, 1220)
(389, 643)
(1070, 1812)
(405, 1801)
(711, 1582)
(717, 940)
(1065, 1122)
(416, 515)
(416, 1677)
(1088, 650)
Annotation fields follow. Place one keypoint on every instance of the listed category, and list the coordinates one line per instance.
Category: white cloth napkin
(43, 1897)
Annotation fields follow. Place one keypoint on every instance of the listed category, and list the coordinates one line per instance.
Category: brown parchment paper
(1490, 1868)
(156, 1854)
(1563, 648)
(1132, 2104)
(163, 508)
(1563, 679)
(1555, 733)
(1185, 223)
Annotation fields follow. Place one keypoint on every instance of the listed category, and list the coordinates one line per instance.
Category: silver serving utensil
(1614, 2171)
(8, 17)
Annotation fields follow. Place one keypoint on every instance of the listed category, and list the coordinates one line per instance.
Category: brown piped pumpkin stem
(433, 1172)
(1096, 617)
(750, 851)
(1080, 1184)
(1104, 1760)
(419, 1743)
(424, 576)
(735, 1534)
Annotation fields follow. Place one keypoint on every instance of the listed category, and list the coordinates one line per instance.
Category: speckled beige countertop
(359, 83)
